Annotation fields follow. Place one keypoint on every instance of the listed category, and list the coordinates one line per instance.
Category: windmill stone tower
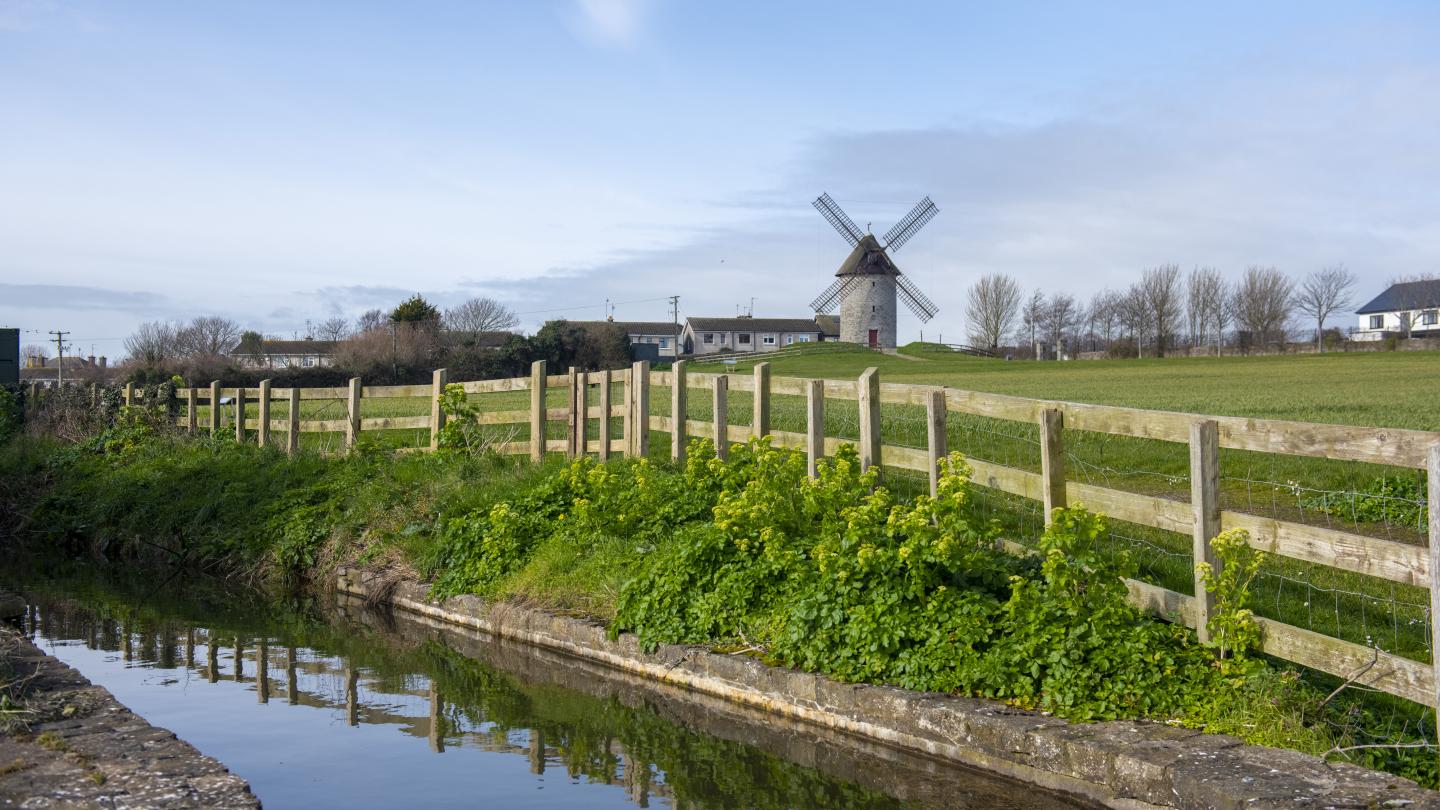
(868, 283)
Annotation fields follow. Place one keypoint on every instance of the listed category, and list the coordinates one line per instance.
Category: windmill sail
(923, 307)
(832, 295)
(839, 219)
(923, 212)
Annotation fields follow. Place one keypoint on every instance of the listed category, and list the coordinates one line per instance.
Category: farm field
(1381, 389)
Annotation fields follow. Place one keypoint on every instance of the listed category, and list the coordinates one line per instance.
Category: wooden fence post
(1433, 498)
(627, 420)
(570, 425)
(1052, 460)
(352, 423)
(292, 440)
(582, 414)
(868, 390)
(437, 414)
(605, 415)
(129, 394)
(760, 424)
(537, 411)
(937, 439)
(720, 413)
(262, 435)
(1205, 503)
(814, 426)
(94, 395)
(677, 411)
(191, 410)
(640, 388)
(215, 408)
(239, 414)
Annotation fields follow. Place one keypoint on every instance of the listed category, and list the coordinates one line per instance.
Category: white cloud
(610, 23)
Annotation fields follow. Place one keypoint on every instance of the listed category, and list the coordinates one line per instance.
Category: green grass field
(1383, 389)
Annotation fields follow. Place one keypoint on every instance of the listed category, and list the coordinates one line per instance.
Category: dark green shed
(9, 356)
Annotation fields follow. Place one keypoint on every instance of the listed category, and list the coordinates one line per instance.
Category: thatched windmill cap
(868, 259)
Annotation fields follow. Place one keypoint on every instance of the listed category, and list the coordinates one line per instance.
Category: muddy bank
(69, 743)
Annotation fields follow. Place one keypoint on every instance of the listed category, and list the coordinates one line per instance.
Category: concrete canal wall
(79, 747)
(1119, 764)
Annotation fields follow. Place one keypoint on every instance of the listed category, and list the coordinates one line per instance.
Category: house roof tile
(1405, 296)
(753, 325)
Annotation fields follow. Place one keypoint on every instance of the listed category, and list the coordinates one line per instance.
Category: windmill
(868, 282)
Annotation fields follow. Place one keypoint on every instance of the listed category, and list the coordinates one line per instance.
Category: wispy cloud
(60, 296)
(609, 23)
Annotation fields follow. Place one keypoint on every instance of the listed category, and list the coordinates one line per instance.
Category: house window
(789, 340)
(1429, 317)
(768, 340)
(804, 338)
(709, 337)
(309, 361)
(1377, 321)
(745, 338)
(664, 343)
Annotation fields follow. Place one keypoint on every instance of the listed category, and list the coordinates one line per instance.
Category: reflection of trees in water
(432, 691)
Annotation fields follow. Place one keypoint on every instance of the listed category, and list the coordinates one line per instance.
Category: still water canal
(334, 704)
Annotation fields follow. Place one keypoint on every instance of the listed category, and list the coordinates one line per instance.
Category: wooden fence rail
(1201, 518)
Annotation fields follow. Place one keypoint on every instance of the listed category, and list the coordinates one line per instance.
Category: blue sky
(278, 162)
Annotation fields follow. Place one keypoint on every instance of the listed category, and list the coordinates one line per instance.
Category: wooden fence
(1202, 518)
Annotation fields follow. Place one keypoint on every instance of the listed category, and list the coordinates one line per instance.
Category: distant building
(9, 356)
(704, 336)
(829, 327)
(286, 354)
(1415, 301)
(649, 340)
(46, 370)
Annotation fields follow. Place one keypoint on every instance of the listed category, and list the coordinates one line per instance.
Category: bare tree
(1164, 299)
(335, 329)
(478, 316)
(1058, 320)
(34, 352)
(1206, 305)
(207, 336)
(1133, 313)
(372, 320)
(1263, 302)
(1323, 292)
(1222, 312)
(1409, 295)
(994, 301)
(1104, 313)
(152, 343)
(1032, 319)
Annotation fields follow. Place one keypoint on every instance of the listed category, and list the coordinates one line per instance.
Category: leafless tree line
(209, 339)
(1166, 309)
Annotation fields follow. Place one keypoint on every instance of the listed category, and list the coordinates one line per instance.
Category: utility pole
(675, 315)
(60, 356)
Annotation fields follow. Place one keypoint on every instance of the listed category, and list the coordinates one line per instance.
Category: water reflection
(617, 740)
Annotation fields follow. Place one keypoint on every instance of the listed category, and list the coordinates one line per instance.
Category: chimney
(102, 362)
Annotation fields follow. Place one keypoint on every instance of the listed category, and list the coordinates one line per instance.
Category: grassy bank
(835, 575)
